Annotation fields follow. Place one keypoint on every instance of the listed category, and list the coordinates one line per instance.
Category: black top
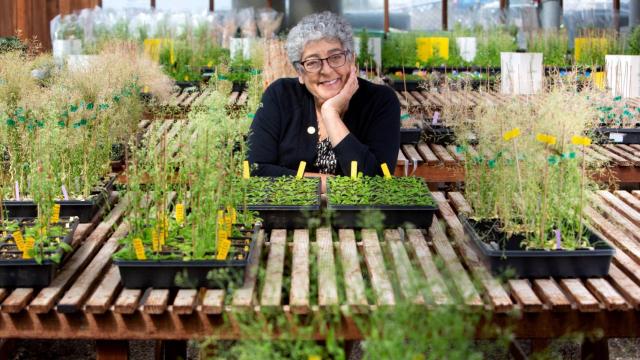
(285, 130)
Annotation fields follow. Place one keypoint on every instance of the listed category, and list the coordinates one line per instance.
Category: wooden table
(87, 301)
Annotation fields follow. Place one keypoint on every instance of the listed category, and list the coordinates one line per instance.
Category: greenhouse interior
(340, 179)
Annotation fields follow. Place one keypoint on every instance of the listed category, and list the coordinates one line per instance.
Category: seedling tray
(410, 135)
(620, 135)
(412, 85)
(27, 272)
(543, 263)
(85, 210)
(349, 216)
(439, 134)
(136, 274)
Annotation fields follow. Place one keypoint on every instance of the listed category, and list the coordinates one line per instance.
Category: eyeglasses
(334, 61)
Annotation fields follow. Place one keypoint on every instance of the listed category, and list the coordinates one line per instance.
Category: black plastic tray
(410, 135)
(628, 135)
(412, 85)
(85, 210)
(27, 272)
(136, 274)
(542, 263)
(439, 134)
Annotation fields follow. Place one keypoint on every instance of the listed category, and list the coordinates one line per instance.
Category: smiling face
(327, 82)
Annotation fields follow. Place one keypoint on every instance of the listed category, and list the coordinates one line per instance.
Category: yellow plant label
(245, 170)
(511, 134)
(314, 357)
(580, 140)
(385, 171)
(227, 223)
(547, 139)
(301, 167)
(599, 79)
(55, 217)
(220, 218)
(428, 47)
(145, 89)
(210, 63)
(155, 241)
(139, 249)
(17, 237)
(354, 170)
(28, 245)
(223, 249)
(234, 215)
(180, 213)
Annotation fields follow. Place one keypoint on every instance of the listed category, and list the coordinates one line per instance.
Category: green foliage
(633, 42)
(491, 43)
(399, 49)
(403, 191)
(10, 44)
(284, 190)
(553, 46)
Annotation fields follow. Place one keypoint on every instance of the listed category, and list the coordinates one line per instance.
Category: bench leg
(516, 351)
(112, 350)
(7, 347)
(172, 350)
(594, 349)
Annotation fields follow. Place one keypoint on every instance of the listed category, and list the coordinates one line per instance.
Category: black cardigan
(279, 137)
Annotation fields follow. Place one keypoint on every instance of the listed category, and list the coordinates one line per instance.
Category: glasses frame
(301, 64)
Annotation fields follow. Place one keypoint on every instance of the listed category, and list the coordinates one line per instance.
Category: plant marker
(55, 217)
(227, 223)
(17, 192)
(314, 357)
(180, 213)
(511, 134)
(436, 117)
(139, 249)
(155, 241)
(385, 171)
(65, 194)
(223, 249)
(234, 215)
(547, 139)
(245, 170)
(354, 170)
(145, 89)
(558, 239)
(28, 245)
(19, 240)
(301, 167)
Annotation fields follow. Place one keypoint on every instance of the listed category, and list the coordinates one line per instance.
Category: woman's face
(327, 81)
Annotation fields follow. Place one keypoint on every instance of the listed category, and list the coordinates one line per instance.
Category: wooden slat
(79, 291)
(156, 302)
(629, 199)
(213, 301)
(428, 155)
(404, 272)
(402, 160)
(620, 152)
(412, 101)
(614, 215)
(613, 233)
(272, 289)
(597, 156)
(299, 294)
(579, 293)
(607, 294)
(127, 301)
(403, 102)
(185, 301)
(411, 154)
(458, 156)
(551, 294)
(327, 285)
(242, 99)
(621, 206)
(522, 292)
(459, 203)
(17, 301)
(377, 270)
(353, 281)
(101, 298)
(629, 289)
(45, 300)
(244, 296)
(443, 154)
(436, 288)
(619, 160)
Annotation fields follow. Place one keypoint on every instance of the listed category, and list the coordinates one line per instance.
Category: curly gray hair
(324, 25)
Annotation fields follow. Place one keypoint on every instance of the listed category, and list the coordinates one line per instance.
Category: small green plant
(553, 46)
(376, 190)
(633, 42)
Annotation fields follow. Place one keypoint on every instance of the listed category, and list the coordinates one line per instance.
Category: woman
(327, 117)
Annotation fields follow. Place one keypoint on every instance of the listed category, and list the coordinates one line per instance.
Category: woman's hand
(338, 104)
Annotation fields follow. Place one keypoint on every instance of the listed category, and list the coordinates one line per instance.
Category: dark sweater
(279, 137)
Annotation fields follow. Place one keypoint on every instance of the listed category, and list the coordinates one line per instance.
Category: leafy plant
(402, 191)
(553, 46)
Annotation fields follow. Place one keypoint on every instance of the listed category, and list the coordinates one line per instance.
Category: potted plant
(617, 121)
(527, 185)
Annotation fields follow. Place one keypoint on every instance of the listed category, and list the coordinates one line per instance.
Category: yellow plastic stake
(223, 249)
(234, 216)
(385, 171)
(220, 218)
(139, 249)
(301, 167)
(210, 63)
(245, 170)
(314, 357)
(155, 241)
(511, 134)
(145, 89)
(180, 213)
(354, 169)
(227, 223)
(55, 217)
(28, 245)
(17, 237)
(580, 140)
(547, 139)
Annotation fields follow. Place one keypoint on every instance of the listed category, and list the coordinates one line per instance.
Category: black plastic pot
(85, 210)
(27, 272)
(505, 256)
(619, 136)
(137, 274)
(239, 86)
(439, 134)
(410, 135)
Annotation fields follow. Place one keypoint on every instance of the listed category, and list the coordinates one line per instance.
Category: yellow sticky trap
(28, 245)
(385, 171)
(547, 139)
(301, 167)
(354, 170)
(19, 240)
(55, 217)
(245, 170)
(428, 47)
(223, 249)
(580, 140)
(155, 241)
(139, 249)
(511, 134)
(180, 213)
(582, 45)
